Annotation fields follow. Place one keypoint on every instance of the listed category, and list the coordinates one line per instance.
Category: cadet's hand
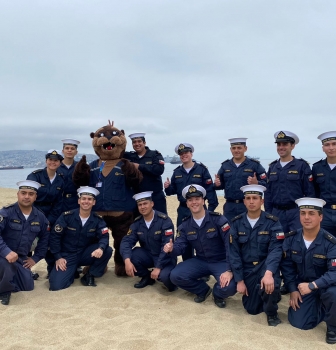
(11, 257)
(129, 267)
(155, 273)
(294, 299)
(136, 165)
(28, 263)
(241, 288)
(304, 289)
(98, 253)
(217, 181)
(225, 278)
(61, 264)
(252, 180)
(267, 282)
(166, 183)
(168, 247)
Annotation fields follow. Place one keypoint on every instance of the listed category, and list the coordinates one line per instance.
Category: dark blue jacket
(17, 234)
(69, 236)
(70, 198)
(324, 180)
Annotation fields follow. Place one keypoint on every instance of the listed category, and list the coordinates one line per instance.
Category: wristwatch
(311, 286)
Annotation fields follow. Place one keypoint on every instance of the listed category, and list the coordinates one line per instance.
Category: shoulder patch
(97, 215)
(255, 160)
(8, 206)
(214, 213)
(202, 165)
(68, 212)
(163, 216)
(138, 218)
(274, 161)
(157, 152)
(304, 161)
(37, 171)
(319, 161)
(290, 233)
(237, 217)
(58, 228)
(225, 161)
(272, 217)
(186, 218)
(330, 237)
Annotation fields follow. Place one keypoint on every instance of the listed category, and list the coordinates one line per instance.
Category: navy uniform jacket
(318, 263)
(210, 241)
(152, 240)
(288, 183)
(253, 246)
(49, 195)
(151, 164)
(68, 236)
(232, 178)
(198, 175)
(114, 195)
(324, 181)
(17, 234)
(70, 198)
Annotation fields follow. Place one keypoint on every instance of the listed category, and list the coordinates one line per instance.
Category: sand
(115, 315)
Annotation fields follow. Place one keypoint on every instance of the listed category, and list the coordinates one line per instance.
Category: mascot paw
(119, 270)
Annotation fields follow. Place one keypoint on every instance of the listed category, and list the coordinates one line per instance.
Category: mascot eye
(115, 133)
(101, 134)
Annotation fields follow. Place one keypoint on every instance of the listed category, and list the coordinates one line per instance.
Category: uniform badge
(58, 228)
(178, 234)
(263, 176)
(225, 227)
(231, 239)
(333, 262)
(208, 181)
(48, 228)
(280, 235)
(104, 230)
(310, 178)
(168, 232)
(161, 162)
(129, 232)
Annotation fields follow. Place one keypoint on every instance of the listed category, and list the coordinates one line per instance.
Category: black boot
(273, 320)
(88, 280)
(330, 337)
(220, 302)
(35, 276)
(5, 297)
(145, 281)
(201, 298)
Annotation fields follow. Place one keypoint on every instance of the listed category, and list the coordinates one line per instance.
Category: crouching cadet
(309, 270)
(208, 233)
(152, 229)
(20, 224)
(79, 237)
(255, 254)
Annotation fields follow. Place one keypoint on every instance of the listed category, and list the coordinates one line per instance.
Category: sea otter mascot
(114, 177)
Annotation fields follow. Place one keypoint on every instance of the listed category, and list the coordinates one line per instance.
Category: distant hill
(31, 159)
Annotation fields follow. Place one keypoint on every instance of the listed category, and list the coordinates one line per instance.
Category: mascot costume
(114, 177)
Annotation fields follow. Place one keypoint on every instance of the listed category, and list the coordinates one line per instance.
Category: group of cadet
(245, 251)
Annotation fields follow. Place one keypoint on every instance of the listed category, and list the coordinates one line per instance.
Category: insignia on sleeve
(263, 176)
(290, 233)
(1, 218)
(280, 235)
(129, 232)
(163, 216)
(225, 227)
(48, 228)
(330, 237)
(272, 217)
(58, 228)
(168, 232)
(208, 181)
(310, 178)
(161, 162)
(333, 262)
(104, 230)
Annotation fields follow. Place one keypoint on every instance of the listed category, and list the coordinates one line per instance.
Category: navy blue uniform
(49, 195)
(232, 178)
(17, 234)
(318, 264)
(70, 198)
(150, 253)
(325, 188)
(211, 243)
(75, 243)
(284, 186)
(151, 164)
(252, 252)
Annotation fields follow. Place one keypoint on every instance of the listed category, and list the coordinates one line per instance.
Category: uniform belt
(330, 206)
(235, 200)
(285, 207)
(44, 203)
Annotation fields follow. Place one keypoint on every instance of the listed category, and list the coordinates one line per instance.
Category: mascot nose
(116, 140)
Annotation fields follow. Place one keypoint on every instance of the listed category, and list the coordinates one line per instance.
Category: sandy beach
(115, 315)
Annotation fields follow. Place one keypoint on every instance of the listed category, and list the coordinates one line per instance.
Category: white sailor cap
(238, 141)
(137, 135)
(143, 196)
(184, 147)
(54, 154)
(28, 185)
(286, 136)
(327, 136)
(88, 191)
(71, 142)
(193, 190)
(253, 189)
(310, 203)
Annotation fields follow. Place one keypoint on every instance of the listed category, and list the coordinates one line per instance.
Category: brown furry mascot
(114, 178)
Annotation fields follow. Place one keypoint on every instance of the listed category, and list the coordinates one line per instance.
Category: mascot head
(109, 142)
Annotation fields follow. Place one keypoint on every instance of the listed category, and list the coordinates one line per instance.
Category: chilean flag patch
(208, 181)
(168, 232)
(280, 235)
(225, 227)
(161, 162)
(333, 262)
(310, 178)
(104, 231)
(263, 176)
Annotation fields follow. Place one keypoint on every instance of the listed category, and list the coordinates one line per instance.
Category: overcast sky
(180, 70)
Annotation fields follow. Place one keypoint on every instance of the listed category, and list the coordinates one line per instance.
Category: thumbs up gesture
(168, 248)
(166, 183)
(217, 180)
(252, 180)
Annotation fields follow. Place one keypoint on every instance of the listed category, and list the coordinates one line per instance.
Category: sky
(181, 71)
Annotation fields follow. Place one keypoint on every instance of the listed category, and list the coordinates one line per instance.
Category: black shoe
(35, 276)
(172, 289)
(220, 302)
(205, 278)
(201, 298)
(5, 297)
(76, 275)
(283, 290)
(331, 337)
(273, 320)
(145, 281)
(88, 280)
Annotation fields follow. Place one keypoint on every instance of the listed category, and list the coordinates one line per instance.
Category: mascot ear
(92, 135)
(122, 131)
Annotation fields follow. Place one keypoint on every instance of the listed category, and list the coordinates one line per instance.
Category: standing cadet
(309, 270)
(255, 254)
(324, 176)
(79, 237)
(70, 199)
(235, 173)
(152, 230)
(20, 224)
(151, 164)
(207, 233)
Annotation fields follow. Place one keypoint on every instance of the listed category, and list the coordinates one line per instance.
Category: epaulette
(214, 213)
(186, 218)
(330, 237)
(138, 218)
(254, 160)
(68, 212)
(97, 215)
(319, 161)
(204, 166)
(305, 161)
(290, 233)
(8, 206)
(157, 152)
(163, 216)
(274, 161)
(37, 171)
(236, 217)
(177, 167)
(225, 161)
(272, 217)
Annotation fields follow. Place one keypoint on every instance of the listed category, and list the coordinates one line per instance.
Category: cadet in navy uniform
(151, 164)
(255, 254)
(20, 224)
(152, 230)
(70, 199)
(79, 237)
(324, 178)
(49, 195)
(235, 173)
(208, 233)
(309, 270)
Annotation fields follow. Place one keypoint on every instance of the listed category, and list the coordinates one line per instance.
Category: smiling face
(310, 219)
(53, 164)
(238, 152)
(86, 202)
(186, 157)
(329, 148)
(139, 145)
(195, 205)
(285, 149)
